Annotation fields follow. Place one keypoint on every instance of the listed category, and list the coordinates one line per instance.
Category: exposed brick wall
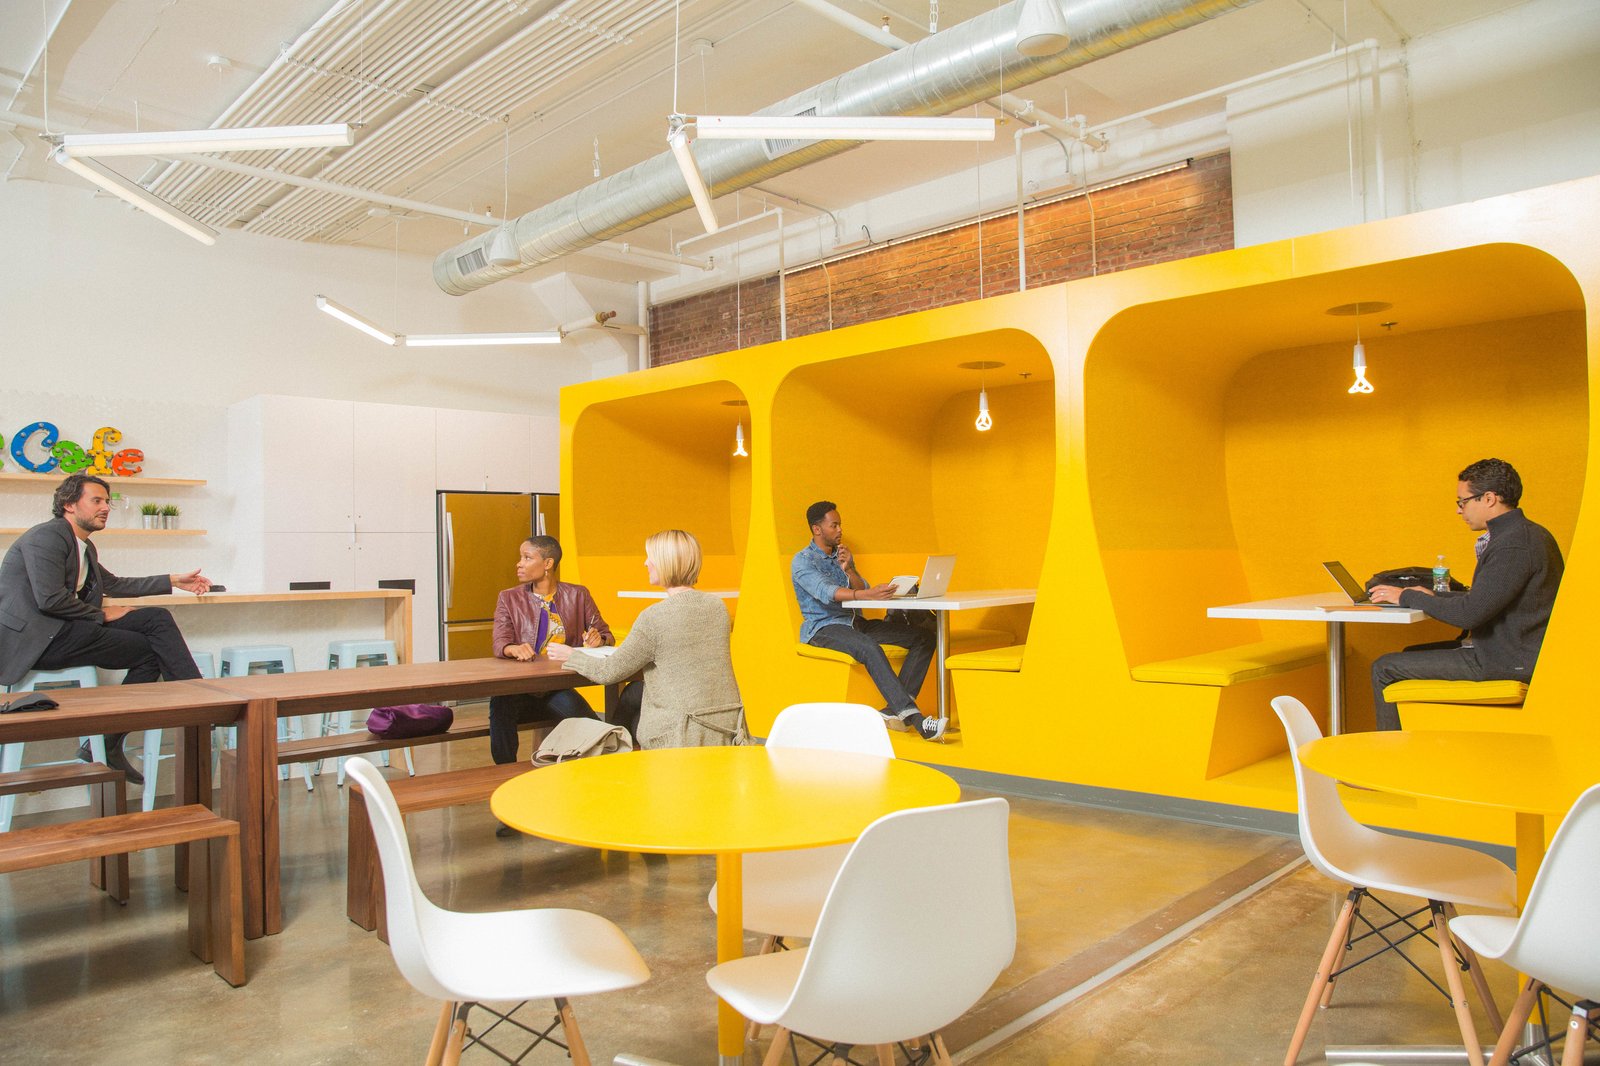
(1171, 216)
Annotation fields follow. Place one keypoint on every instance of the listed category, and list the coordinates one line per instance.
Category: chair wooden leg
(569, 1026)
(1512, 1030)
(885, 1055)
(441, 1032)
(780, 1040)
(1336, 941)
(1577, 1033)
(1458, 991)
(941, 1054)
(1338, 960)
(1480, 983)
(458, 1035)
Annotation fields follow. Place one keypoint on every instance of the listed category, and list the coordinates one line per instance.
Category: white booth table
(1333, 609)
(941, 606)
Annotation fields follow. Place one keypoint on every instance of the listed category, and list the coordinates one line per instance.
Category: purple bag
(409, 720)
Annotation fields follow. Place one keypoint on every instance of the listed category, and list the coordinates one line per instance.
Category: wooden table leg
(256, 806)
(191, 783)
(730, 945)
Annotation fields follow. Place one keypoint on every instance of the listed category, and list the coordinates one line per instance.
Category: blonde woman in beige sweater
(681, 644)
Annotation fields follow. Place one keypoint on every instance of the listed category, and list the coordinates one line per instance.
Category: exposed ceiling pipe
(1005, 103)
(959, 67)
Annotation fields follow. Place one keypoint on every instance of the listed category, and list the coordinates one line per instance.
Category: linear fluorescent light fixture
(807, 128)
(678, 141)
(447, 340)
(350, 318)
(136, 195)
(183, 142)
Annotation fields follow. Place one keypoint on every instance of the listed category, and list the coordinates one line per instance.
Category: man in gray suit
(52, 589)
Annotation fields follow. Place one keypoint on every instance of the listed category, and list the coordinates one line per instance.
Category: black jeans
(863, 643)
(507, 712)
(1440, 661)
(145, 642)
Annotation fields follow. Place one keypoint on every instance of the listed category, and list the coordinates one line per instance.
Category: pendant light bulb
(984, 421)
(1362, 385)
(738, 441)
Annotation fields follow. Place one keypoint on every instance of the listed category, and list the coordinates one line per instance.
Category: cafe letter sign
(69, 456)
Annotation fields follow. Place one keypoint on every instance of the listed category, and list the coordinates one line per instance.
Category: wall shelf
(112, 531)
(116, 482)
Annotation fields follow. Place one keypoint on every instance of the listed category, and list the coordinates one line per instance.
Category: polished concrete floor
(1140, 939)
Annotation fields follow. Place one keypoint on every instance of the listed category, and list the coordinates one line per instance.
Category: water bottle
(1441, 576)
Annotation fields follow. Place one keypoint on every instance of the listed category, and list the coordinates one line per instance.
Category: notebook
(935, 580)
(1353, 588)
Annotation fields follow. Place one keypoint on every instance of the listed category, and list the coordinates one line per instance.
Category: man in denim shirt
(825, 576)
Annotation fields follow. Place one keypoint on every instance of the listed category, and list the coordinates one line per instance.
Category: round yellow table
(721, 801)
(1523, 773)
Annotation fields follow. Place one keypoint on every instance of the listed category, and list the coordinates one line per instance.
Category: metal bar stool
(11, 754)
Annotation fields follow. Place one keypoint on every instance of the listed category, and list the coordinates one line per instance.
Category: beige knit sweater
(681, 644)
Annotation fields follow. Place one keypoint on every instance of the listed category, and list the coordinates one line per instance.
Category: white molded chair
(878, 972)
(1557, 939)
(465, 960)
(1445, 875)
(784, 890)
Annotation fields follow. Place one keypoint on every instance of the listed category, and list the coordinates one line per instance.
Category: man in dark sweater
(1506, 610)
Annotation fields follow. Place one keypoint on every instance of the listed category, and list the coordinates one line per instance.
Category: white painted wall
(1489, 107)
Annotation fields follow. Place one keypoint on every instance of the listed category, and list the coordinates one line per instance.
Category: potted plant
(169, 516)
(150, 515)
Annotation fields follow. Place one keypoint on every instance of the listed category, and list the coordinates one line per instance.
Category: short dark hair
(818, 511)
(548, 547)
(70, 491)
(1496, 476)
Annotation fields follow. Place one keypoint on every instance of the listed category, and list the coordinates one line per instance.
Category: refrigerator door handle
(449, 561)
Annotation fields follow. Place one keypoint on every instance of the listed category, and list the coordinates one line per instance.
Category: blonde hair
(675, 555)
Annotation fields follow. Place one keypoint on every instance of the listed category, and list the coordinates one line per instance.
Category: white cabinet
(306, 475)
(290, 557)
(393, 468)
(485, 451)
(402, 557)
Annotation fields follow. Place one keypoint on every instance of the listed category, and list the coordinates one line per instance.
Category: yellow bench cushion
(965, 641)
(1231, 666)
(1504, 693)
(1004, 659)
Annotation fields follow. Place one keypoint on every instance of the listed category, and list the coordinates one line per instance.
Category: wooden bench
(314, 749)
(364, 895)
(216, 897)
(107, 796)
(1493, 706)
(1233, 666)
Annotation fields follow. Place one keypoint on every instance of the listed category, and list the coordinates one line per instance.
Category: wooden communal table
(267, 697)
(396, 606)
(190, 707)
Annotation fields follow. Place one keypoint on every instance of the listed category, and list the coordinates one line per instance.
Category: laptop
(935, 580)
(1353, 588)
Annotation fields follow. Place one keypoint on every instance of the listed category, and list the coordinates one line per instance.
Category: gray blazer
(38, 593)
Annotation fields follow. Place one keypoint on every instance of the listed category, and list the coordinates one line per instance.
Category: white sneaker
(933, 728)
(893, 721)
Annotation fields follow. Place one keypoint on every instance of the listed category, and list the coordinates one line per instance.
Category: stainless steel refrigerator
(480, 534)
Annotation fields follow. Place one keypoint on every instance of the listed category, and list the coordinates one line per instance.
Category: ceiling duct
(951, 70)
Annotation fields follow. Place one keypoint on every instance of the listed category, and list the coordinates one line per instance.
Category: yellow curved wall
(1183, 439)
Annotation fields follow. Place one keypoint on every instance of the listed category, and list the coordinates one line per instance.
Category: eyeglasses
(1468, 499)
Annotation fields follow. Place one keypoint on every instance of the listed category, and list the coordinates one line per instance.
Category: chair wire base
(914, 1056)
(540, 1036)
(1542, 1050)
(1396, 942)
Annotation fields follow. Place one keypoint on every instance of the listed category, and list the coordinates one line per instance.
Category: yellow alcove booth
(1183, 439)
